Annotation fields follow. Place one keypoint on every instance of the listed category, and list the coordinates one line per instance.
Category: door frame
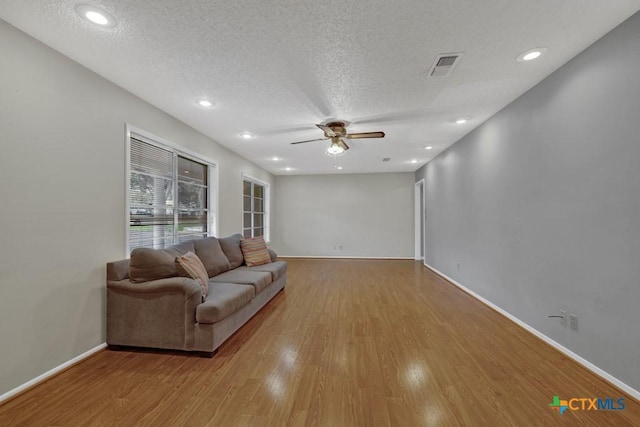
(419, 220)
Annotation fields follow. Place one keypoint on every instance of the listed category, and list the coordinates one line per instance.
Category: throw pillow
(255, 251)
(189, 265)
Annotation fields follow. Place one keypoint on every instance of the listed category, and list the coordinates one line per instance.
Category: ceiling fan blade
(309, 140)
(343, 144)
(365, 135)
(327, 130)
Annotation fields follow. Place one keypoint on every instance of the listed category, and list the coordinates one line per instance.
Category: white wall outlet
(563, 319)
(573, 322)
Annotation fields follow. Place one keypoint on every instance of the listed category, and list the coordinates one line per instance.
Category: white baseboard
(342, 257)
(590, 366)
(50, 373)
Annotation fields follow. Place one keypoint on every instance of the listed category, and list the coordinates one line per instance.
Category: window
(255, 196)
(169, 195)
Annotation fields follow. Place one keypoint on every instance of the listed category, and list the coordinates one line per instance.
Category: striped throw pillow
(189, 265)
(255, 251)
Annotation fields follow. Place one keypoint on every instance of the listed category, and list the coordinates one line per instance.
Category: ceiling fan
(336, 132)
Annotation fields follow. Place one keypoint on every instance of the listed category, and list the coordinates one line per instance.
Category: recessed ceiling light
(338, 167)
(275, 158)
(246, 135)
(205, 103)
(428, 147)
(96, 15)
(461, 120)
(531, 54)
(414, 161)
(96, 18)
(288, 169)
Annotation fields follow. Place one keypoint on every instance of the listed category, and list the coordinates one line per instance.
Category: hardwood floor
(348, 343)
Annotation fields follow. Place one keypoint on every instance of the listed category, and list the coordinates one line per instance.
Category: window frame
(266, 202)
(213, 193)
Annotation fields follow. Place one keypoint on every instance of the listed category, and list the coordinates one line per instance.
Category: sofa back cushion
(231, 248)
(255, 251)
(211, 255)
(152, 264)
(118, 270)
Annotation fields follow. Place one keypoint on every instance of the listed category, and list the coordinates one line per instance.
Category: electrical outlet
(563, 320)
(573, 322)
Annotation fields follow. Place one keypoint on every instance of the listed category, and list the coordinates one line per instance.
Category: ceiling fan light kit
(335, 150)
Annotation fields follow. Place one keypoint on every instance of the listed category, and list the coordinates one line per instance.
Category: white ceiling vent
(444, 64)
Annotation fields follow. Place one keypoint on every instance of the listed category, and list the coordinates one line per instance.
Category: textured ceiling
(275, 68)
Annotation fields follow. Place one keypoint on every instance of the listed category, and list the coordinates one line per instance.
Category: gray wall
(62, 200)
(369, 215)
(540, 206)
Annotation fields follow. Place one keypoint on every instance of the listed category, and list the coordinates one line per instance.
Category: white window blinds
(193, 206)
(157, 218)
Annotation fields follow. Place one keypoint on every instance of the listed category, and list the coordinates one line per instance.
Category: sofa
(151, 304)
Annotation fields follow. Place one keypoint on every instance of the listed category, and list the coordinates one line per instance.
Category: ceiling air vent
(386, 159)
(444, 64)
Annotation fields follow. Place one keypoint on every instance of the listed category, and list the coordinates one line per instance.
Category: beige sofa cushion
(151, 264)
(231, 248)
(211, 255)
(224, 300)
(258, 279)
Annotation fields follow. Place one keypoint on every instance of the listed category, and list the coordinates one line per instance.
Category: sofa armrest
(158, 313)
(180, 285)
(273, 255)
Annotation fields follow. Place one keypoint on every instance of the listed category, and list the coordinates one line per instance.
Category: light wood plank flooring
(348, 343)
